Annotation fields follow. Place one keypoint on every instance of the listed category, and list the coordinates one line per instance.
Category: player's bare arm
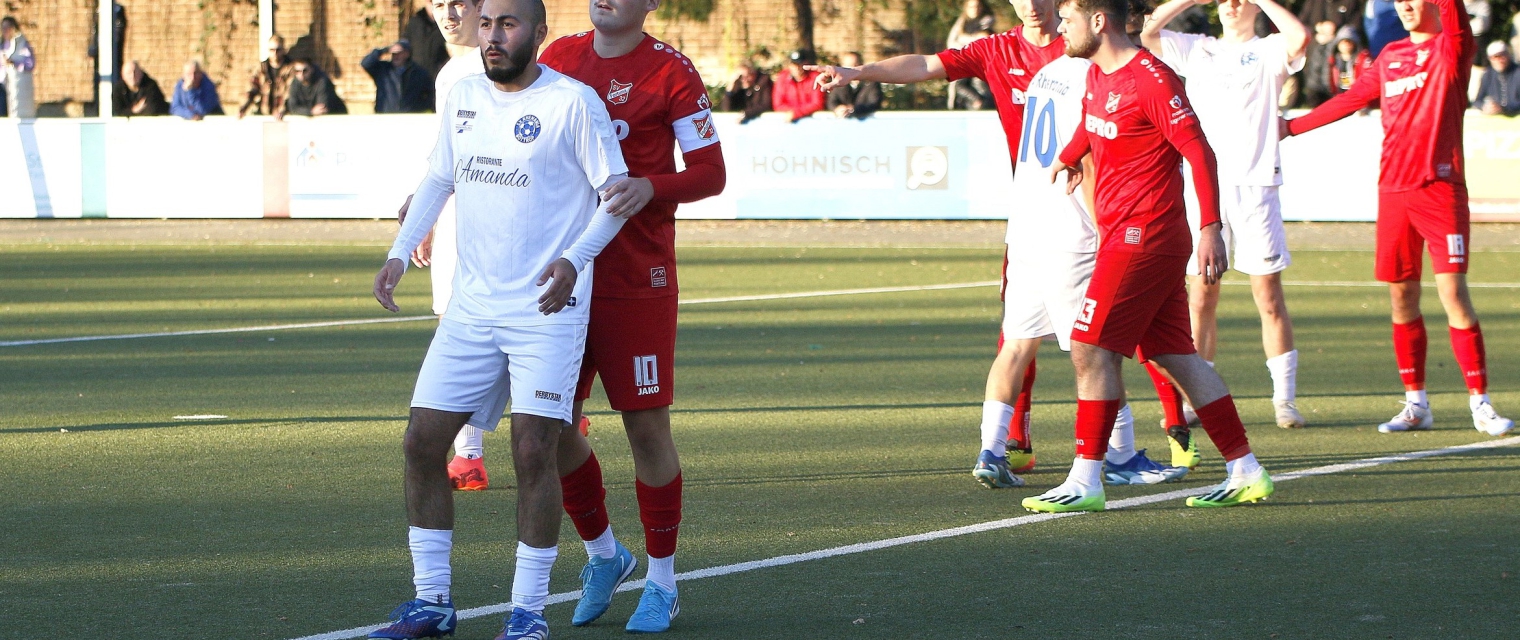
(1295, 35)
(386, 281)
(1150, 36)
(899, 70)
(1212, 258)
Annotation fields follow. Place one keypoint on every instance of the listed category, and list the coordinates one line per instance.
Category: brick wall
(223, 34)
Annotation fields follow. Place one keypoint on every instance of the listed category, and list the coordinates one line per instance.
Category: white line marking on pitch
(778, 561)
(752, 298)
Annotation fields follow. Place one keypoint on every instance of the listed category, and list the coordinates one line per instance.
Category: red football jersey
(1134, 120)
(656, 100)
(1007, 62)
(1424, 92)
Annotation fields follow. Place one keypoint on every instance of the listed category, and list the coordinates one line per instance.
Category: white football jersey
(443, 256)
(1234, 88)
(524, 167)
(1043, 218)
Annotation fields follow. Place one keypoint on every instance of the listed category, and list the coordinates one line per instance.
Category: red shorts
(1136, 300)
(1435, 215)
(631, 343)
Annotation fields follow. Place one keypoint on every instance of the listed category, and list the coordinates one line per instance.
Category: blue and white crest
(1247, 59)
(527, 129)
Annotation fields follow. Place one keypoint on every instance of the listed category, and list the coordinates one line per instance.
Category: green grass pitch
(804, 424)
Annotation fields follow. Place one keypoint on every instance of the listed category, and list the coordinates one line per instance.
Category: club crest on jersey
(1113, 102)
(527, 129)
(1247, 59)
(1420, 57)
(618, 93)
(704, 126)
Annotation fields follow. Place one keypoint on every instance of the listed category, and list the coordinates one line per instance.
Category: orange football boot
(468, 475)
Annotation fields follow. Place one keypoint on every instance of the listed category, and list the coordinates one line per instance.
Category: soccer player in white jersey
(1234, 82)
(526, 151)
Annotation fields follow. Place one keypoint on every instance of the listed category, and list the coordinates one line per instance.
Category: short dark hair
(11, 20)
(1116, 10)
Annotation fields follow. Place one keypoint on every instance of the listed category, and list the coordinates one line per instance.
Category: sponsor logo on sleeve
(656, 277)
(619, 92)
(527, 129)
(1113, 102)
(703, 102)
(1176, 102)
(704, 126)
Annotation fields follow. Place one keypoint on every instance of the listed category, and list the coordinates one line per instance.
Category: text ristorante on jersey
(487, 170)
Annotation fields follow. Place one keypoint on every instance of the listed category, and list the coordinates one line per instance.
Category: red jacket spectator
(1346, 66)
(793, 91)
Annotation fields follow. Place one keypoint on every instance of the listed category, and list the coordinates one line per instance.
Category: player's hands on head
(1073, 176)
(560, 276)
(628, 197)
(830, 76)
(1212, 258)
(386, 281)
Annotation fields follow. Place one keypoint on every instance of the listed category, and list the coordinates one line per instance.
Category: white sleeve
(1277, 48)
(596, 143)
(1177, 48)
(598, 234)
(429, 198)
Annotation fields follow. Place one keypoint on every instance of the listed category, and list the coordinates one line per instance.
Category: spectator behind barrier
(311, 92)
(16, 63)
(750, 92)
(856, 99)
(1499, 90)
(1480, 18)
(1339, 13)
(1348, 61)
(429, 48)
(793, 91)
(270, 80)
(195, 94)
(1316, 73)
(400, 85)
(975, 22)
(136, 93)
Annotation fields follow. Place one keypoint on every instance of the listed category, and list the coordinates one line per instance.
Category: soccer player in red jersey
(1422, 196)
(1138, 126)
(657, 102)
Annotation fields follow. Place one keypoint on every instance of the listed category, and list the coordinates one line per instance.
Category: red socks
(1223, 425)
(1171, 398)
(1018, 427)
(660, 511)
(1409, 344)
(1095, 423)
(1467, 344)
(585, 499)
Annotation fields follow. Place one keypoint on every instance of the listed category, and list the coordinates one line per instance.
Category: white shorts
(445, 256)
(476, 370)
(1044, 293)
(1252, 229)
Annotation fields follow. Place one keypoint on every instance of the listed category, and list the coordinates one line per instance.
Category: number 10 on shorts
(646, 373)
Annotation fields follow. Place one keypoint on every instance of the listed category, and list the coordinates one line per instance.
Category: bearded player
(1234, 82)
(1422, 197)
(1138, 126)
(657, 102)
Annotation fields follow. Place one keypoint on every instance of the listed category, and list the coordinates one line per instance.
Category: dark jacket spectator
(1339, 12)
(793, 92)
(429, 50)
(1347, 62)
(400, 85)
(857, 99)
(1381, 24)
(1499, 89)
(267, 85)
(311, 93)
(195, 95)
(136, 93)
(1316, 74)
(750, 93)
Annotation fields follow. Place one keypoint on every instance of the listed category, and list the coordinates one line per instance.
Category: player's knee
(420, 445)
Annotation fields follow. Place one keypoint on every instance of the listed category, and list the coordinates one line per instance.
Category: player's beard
(1083, 48)
(515, 63)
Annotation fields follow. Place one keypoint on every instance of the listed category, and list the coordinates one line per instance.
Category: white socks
(1242, 466)
(1418, 397)
(1086, 476)
(995, 419)
(604, 546)
(430, 562)
(470, 443)
(530, 584)
(1284, 370)
(1121, 445)
(1477, 399)
(662, 571)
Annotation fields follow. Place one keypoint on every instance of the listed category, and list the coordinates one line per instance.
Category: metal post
(266, 27)
(105, 51)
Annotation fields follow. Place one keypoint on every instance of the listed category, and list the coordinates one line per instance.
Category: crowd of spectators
(791, 91)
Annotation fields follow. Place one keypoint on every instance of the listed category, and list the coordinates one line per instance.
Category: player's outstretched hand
(1073, 176)
(386, 281)
(1212, 259)
(830, 76)
(423, 255)
(562, 274)
(628, 197)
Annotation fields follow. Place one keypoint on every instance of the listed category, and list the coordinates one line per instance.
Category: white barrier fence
(909, 165)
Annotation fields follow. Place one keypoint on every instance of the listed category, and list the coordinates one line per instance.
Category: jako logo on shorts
(646, 374)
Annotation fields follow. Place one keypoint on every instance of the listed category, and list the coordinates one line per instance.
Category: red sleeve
(1076, 149)
(704, 177)
(967, 61)
(1363, 92)
(1205, 178)
(1456, 24)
